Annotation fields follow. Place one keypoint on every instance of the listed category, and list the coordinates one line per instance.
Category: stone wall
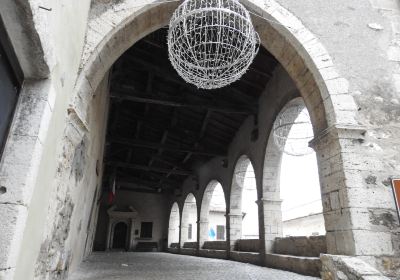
(349, 268)
(248, 245)
(72, 213)
(311, 246)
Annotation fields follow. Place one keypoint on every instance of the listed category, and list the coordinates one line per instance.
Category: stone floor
(164, 266)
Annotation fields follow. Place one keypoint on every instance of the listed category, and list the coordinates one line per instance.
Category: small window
(190, 232)
(220, 232)
(146, 230)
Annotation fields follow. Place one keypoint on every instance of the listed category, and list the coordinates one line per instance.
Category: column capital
(269, 201)
(339, 131)
(235, 215)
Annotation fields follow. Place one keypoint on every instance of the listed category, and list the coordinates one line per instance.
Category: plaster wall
(49, 60)
(305, 226)
(216, 218)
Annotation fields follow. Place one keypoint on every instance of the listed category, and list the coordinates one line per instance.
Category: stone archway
(236, 199)
(205, 211)
(189, 220)
(271, 185)
(325, 93)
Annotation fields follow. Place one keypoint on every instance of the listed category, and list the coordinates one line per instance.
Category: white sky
(299, 179)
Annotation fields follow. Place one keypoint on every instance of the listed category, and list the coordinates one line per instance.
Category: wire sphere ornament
(211, 43)
(293, 131)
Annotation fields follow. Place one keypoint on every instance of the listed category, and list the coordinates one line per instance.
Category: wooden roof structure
(160, 127)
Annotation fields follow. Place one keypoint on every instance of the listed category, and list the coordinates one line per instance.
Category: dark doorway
(120, 236)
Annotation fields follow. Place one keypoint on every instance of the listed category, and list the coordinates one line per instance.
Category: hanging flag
(111, 194)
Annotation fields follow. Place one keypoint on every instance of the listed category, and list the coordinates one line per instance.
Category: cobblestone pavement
(164, 266)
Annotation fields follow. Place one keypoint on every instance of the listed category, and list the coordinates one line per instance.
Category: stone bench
(248, 245)
(147, 247)
(215, 245)
(311, 246)
(192, 245)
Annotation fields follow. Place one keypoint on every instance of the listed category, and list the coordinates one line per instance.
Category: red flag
(111, 194)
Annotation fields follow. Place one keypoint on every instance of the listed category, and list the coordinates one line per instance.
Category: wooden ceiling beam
(148, 168)
(150, 145)
(175, 103)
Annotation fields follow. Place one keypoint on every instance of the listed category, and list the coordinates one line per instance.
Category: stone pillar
(203, 232)
(346, 168)
(235, 229)
(272, 222)
(184, 234)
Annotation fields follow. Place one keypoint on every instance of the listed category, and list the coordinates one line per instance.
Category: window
(190, 232)
(220, 232)
(146, 230)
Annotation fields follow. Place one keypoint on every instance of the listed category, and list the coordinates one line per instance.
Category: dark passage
(120, 235)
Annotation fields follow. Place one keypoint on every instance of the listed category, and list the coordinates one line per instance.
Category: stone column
(235, 228)
(351, 193)
(272, 222)
(203, 236)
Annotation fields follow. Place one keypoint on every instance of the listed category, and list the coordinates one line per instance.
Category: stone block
(301, 246)
(12, 225)
(245, 257)
(216, 254)
(248, 245)
(372, 243)
(350, 268)
(303, 265)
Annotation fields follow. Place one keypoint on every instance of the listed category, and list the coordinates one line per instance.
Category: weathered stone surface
(248, 245)
(348, 268)
(303, 265)
(311, 246)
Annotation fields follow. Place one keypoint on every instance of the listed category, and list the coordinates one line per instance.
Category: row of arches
(213, 211)
(296, 192)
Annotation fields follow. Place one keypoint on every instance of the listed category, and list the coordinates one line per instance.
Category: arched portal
(282, 34)
(213, 214)
(243, 212)
(299, 184)
(283, 177)
(174, 225)
(189, 220)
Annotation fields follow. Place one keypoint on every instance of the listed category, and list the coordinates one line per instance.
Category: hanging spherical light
(211, 43)
(293, 131)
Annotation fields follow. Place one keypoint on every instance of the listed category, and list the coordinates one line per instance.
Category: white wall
(305, 226)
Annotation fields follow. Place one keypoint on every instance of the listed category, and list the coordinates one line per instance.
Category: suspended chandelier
(293, 131)
(211, 43)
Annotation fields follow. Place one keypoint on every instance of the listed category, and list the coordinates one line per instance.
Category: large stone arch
(325, 93)
(271, 185)
(282, 34)
(205, 209)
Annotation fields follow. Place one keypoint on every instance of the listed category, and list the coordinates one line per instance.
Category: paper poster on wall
(396, 192)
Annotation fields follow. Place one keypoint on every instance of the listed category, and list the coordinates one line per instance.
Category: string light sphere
(293, 131)
(211, 43)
